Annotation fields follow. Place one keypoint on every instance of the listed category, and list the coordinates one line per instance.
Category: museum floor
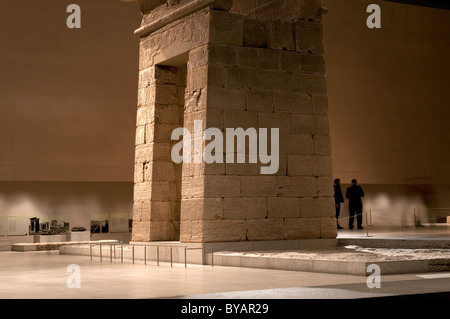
(33, 275)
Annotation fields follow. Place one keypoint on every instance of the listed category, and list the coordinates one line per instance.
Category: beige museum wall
(67, 96)
(388, 92)
(68, 102)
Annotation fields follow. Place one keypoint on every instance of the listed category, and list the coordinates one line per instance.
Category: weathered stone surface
(282, 207)
(328, 228)
(308, 36)
(226, 28)
(302, 228)
(280, 35)
(259, 185)
(265, 229)
(213, 230)
(296, 186)
(317, 207)
(260, 65)
(254, 34)
(244, 208)
(201, 209)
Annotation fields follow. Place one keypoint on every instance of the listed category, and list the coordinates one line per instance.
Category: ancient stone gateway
(232, 64)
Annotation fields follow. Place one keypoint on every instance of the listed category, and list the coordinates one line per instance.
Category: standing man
(354, 194)
(338, 199)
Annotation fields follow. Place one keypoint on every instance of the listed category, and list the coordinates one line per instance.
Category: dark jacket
(354, 194)
(338, 196)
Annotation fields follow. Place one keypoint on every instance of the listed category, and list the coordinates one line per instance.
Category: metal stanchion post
(367, 226)
(132, 253)
(110, 253)
(212, 258)
(170, 256)
(185, 259)
(145, 255)
(90, 250)
(121, 254)
(157, 255)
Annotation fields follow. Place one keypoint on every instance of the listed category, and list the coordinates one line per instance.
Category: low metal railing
(112, 251)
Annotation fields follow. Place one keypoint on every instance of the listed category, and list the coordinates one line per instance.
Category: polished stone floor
(31, 275)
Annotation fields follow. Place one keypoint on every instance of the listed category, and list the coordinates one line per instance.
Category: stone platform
(348, 256)
(52, 245)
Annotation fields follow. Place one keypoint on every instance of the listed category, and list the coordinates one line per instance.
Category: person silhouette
(354, 194)
(338, 199)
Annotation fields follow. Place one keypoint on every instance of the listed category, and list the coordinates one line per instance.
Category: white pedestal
(48, 238)
(78, 236)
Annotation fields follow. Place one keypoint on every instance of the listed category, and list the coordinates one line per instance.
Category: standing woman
(338, 199)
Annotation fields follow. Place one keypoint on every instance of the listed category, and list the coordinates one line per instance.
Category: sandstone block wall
(249, 64)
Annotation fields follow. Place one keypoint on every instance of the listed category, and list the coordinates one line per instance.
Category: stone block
(139, 173)
(201, 209)
(317, 207)
(142, 191)
(213, 231)
(320, 105)
(237, 78)
(283, 207)
(315, 165)
(168, 114)
(141, 231)
(244, 208)
(295, 186)
(140, 135)
(268, 59)
(302, 228)
(290, 61)
(254, 34)
(216, 76)
(226, 28)
(222, 186)
(259, 185)
(325, 186)
(146, 96)
(309, 84)
(280, 35)
(198, 78)
(146, 77)
(247, 57)
(328, 228)
(265, 229)
(164, 191)
(282, 121)
(223, 55)
(225, 98)
(297, 145)
(240, 119)
(292, 103)
(166, 94)
(198, 57)
(310, 124)
(312, 63)
(309, 37)
(322, 145)
(270, 80)
(243, 168)
(192, 187)
(144, 115)
(214, 118)
(260, 101)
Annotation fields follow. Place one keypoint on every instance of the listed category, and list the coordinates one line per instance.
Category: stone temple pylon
(232, 64)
